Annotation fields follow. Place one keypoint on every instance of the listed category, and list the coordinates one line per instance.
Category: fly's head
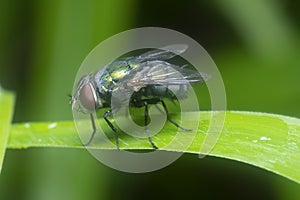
(85, 98)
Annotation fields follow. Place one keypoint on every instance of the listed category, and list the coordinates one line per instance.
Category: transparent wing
(160, 73)
(164, 53)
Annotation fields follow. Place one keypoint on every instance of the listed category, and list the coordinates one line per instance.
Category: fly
(148, 77)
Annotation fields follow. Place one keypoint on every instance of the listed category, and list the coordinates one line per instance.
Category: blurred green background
(255, 44)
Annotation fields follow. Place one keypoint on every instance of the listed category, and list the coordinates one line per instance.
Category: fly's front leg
(94, 130)
(105, 116)
(146, 125)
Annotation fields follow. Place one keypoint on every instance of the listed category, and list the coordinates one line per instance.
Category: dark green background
(255, 45)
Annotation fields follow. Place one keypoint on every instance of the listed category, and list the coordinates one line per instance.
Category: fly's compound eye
(88, 98)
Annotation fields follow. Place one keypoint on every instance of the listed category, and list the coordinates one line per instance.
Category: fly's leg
(159, 109)
(146, 126)
(154, 101)
(107, 114)
(169, 118)
(94, 130)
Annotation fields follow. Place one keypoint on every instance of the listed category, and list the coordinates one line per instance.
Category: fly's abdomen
(170, 92)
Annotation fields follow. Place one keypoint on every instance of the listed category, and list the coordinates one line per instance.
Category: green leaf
(6, 111)
(269, 141)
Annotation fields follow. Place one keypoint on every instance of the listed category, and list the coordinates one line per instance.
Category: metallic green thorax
(107, 78)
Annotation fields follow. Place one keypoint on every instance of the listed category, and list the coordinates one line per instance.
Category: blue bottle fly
(149, 78)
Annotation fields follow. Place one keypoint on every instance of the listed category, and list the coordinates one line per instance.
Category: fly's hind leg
(169, 118)
(154, 101)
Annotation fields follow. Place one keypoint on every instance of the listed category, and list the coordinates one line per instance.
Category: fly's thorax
(108, 77)
(102, 79)
(119, 70)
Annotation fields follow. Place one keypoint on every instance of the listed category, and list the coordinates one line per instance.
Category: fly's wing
(164, 53)
(160, 73)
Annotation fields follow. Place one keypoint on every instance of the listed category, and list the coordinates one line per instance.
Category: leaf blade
(6, 111)
(268, 141)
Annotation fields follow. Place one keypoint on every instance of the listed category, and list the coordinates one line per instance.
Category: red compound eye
(87, 97)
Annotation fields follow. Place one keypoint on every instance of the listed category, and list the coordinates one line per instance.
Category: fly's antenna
(70, 98)
(72, 101)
